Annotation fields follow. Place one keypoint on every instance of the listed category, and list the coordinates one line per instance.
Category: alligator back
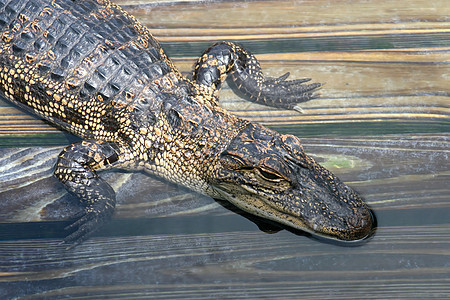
(80, 66)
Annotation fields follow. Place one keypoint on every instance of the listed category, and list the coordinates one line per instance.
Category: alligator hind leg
(228, 58)
(76, 169)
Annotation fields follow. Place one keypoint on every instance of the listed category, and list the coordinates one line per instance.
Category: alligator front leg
(76, 169)
(228, 58)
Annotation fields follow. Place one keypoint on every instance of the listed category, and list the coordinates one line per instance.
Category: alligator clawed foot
(84, 227)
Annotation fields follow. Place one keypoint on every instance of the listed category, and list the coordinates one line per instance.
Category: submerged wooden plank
(401, 262)
(392, 172)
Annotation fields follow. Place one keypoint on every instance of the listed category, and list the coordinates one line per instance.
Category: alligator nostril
(355, 221)
(363, 223)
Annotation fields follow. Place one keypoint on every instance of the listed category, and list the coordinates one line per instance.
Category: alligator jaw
(255, 206)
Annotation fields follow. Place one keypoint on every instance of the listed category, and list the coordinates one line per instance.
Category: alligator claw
(286, 94)
(282, 77)
(298, 109)
(85, 227)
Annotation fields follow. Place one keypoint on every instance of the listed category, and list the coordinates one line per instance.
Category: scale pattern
(93, 70)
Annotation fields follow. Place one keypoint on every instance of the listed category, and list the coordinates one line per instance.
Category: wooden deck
(382, 124)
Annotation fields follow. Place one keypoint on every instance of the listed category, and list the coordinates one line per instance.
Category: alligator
(92, 69)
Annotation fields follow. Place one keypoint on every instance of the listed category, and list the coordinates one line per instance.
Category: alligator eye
(270, 175)
(232, 162)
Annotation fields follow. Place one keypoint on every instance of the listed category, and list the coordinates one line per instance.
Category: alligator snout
(359, 226)
(328, 206)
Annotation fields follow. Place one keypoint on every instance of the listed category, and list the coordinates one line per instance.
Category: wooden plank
(393, 172)
(401, 262)
(409, 90)
(286, 16)
(374, 69)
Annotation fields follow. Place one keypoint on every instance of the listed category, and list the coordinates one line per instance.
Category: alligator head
(269, 175)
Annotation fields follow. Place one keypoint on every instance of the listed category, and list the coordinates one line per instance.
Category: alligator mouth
(358, 230)
(362, 230)
(360, 236)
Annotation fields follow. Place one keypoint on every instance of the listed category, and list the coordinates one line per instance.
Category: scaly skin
(93, 70)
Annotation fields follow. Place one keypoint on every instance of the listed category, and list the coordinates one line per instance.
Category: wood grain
(390, 64)
(401, 262)
(393, 172)
(381, 123)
